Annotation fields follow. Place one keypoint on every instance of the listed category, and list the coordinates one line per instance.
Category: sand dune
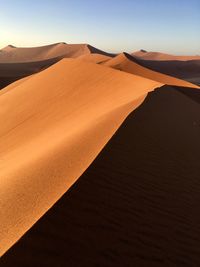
(126, 62)
(53, 125)
(12, 54)
(8, 48)
(95, 58)
(162, 56)
(16, 63)
(138, 202)
(187, 70)
(143, 187)
(10, 72)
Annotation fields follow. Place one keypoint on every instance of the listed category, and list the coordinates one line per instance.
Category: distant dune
(162, 56)
(184, 67)
(11, 54)
(125, 62)
(187, 70)
(8, 48)
(16, 63)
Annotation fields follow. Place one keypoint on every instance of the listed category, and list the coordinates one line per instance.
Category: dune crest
(63, 117)
(126, 62)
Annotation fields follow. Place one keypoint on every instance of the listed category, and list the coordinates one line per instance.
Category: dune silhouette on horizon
(12, 54)
(162, 56)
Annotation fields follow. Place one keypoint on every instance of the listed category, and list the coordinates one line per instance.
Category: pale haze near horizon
(114, 26)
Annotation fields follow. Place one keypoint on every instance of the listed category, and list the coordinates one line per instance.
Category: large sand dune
(11, 54)
(138, 202)
(52, 127)
(142, 187)
(126, 62)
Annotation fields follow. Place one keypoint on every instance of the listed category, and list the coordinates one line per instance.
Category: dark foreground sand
(138, 202)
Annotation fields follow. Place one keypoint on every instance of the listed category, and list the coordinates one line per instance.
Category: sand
(16, 63)
(183, 67)
(53, 126)
(138, 202)
(123, 195)
(95, 58)
(11, 72)
(126, 62)
(162, 56)
(11, 54)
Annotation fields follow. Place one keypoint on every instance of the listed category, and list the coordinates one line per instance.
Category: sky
(171, 26)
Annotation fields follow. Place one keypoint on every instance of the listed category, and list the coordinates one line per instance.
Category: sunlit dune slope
(53, 125)
(11, 54)
(125, 62)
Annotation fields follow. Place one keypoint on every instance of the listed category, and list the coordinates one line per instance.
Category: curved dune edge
(53, 126)
(125, 62)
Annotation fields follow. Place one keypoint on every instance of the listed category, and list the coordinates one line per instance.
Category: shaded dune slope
(77, 107)
(188, 70)
(138, 202)
(10, 72)
(126, 62)
(192, 93)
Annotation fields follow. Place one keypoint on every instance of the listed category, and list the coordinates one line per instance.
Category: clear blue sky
(171, 26)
